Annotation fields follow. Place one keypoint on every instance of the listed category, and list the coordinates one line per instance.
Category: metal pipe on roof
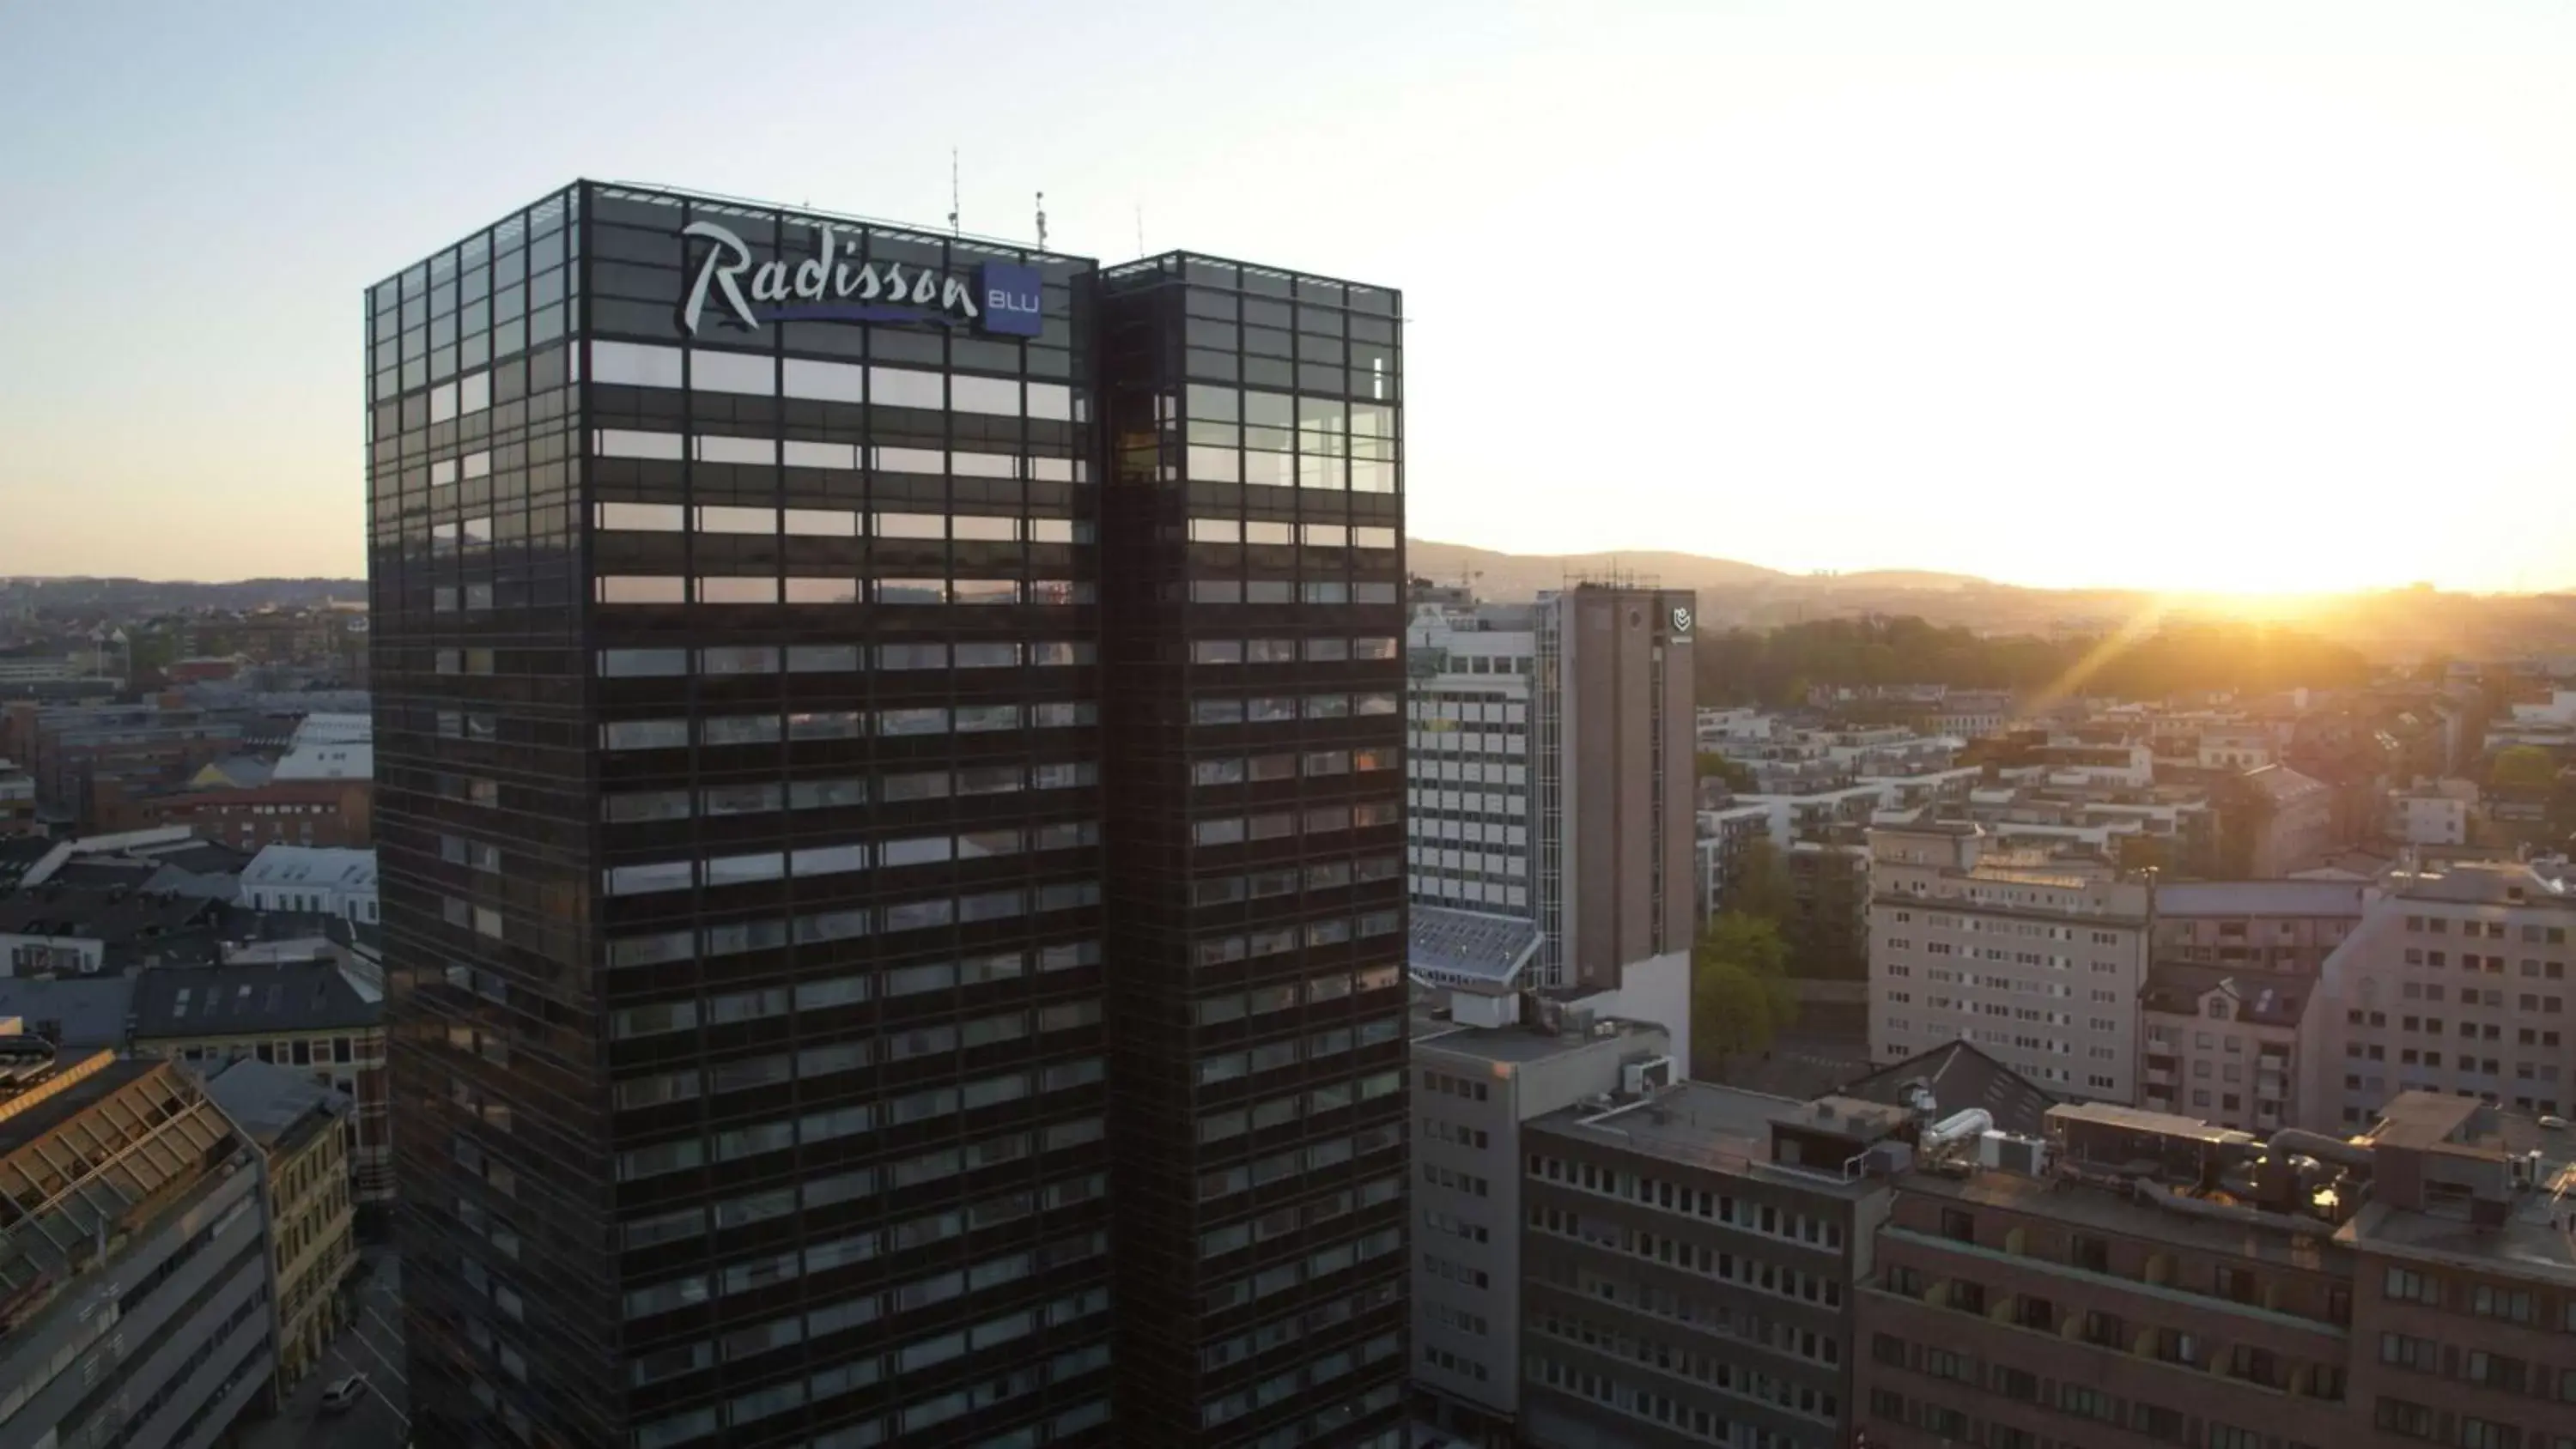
(1958, 1125)
(2319, 1145)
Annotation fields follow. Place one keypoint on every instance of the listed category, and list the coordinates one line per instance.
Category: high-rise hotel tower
(892, 822)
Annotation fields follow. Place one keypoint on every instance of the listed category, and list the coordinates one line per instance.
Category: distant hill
(1899, 579)
(1522, 575)
(2390, 624)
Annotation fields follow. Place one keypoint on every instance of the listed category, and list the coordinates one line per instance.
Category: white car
(343, 1396)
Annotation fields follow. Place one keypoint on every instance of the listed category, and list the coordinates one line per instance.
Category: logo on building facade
(1014, 299)
(1681, 621)
(835, 286)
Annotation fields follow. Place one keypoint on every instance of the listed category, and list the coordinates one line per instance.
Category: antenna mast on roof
(1041, 221)
(952, 191)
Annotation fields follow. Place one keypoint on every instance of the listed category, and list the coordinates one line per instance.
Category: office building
(2464, 1299)
(2102, 1286)
(135, 1285)
(1481, 1070)
(1551, 781)
(1687, 1268)
(1553, 771)
(1252, 684)
(1690, 1250)
(2037, 960)
(2141, 1277)
(806, 650)
(1616, 780)
(2454, 980)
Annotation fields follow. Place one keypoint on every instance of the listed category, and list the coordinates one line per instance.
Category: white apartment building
(322, 880)
(1724, 835)
(2433, 812)
(1468, 764)
(2038, 963)
(2457, 980)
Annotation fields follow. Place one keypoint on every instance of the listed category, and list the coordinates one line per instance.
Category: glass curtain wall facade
(787, 969)
(740, 815)
(1255, 679)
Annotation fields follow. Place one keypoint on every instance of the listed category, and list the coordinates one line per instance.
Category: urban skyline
(2191, 264)
(913, 840)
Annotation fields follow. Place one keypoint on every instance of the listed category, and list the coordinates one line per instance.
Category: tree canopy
(1740, 993)
(1738, 777)
(2523, 767)
(1759, 886)
(1775, 667)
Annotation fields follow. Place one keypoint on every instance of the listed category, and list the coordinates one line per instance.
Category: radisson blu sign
(830, 287)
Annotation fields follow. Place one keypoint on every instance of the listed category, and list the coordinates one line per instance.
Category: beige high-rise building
(1616, 779)
(2038, 962)
(1553, 783)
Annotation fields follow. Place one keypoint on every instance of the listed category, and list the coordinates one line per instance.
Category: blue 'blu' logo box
(1014, 301)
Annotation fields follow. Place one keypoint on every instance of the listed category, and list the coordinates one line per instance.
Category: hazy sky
(2160, 293)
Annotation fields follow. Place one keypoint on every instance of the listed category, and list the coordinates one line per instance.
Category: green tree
(2523, 767)
(2146, 852)
(1738, 776)
(1740, 993)
(1759, 886)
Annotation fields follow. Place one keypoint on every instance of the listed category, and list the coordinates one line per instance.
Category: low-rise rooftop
(75, 1011)
(1959, 1076)
(2543, 884)
(278, 1107)
(1699, 1124)
(1517, 1045)
(1451, 947)
(2325, 898)
(2178, 988)
(250, 999)
(114, 915)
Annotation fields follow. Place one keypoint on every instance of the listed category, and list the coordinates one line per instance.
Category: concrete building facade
(1553, 772)
(2456, 980)
(2276, 927)
(136, 1295)
(2150, 1278)
(2014, 1308)
(2039, 963)
(1687, 1266)
(1474, 1087)
(2222, 1045)
(295, 1123)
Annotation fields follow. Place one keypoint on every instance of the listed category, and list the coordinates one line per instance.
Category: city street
(372, 1345)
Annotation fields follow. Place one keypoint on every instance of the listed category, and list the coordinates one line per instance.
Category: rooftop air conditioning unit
(1652, 1074)
(2009, 1152)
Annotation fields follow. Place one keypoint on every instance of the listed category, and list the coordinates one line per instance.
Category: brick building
(2142, 1278)
(282, 812)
